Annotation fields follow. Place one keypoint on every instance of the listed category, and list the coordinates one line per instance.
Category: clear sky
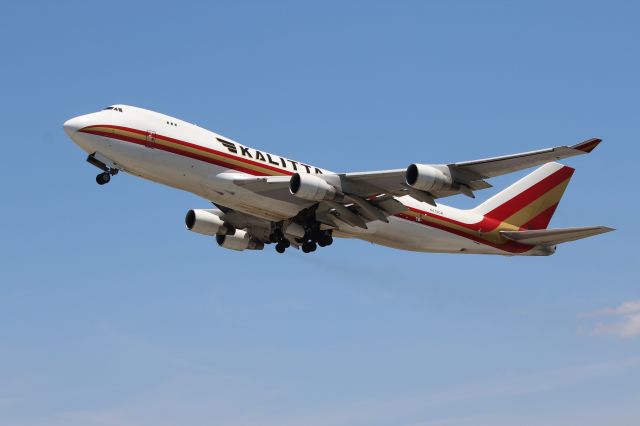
(111, 313)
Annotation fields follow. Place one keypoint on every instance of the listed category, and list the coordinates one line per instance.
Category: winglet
(588, 145)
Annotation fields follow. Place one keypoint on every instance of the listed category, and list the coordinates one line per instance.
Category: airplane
(262, 198)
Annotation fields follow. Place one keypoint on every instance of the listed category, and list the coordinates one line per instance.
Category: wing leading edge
(491, 167)
(470, 174)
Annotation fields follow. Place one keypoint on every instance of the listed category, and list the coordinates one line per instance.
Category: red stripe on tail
(531, 194)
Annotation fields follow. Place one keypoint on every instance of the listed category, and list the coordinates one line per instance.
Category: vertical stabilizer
(530, 202)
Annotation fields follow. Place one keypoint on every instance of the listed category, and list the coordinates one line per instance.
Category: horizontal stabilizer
(547, 237)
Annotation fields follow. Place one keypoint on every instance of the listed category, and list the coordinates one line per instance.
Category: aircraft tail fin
(530, 202)
(549, 237)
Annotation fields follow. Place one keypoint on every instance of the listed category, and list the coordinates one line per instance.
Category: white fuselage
(182, 155)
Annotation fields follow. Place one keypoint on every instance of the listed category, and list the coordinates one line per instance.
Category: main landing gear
(107, 172)
(309, 243)
(314, 238)
(309, 247)
(281, 242)
(281, 246)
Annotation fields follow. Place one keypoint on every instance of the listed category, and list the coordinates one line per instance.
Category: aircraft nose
(73, 125)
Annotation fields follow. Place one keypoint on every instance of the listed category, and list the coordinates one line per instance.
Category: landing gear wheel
(276, 236)
(308, 247)
(280, 248)
(316, 236)
(103, 178)
(325, 240)
(286, 243)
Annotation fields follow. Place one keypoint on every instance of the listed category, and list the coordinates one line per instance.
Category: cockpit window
(113, 108)
(108, 108)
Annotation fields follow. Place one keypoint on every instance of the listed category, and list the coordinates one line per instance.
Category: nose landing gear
(103, 178)
(107, 172)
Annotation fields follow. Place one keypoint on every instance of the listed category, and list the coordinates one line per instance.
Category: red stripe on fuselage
(508, 246)
(185, 153)
(487, 224)
(494, 218)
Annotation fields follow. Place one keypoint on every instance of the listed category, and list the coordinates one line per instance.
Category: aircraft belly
(406, 235)
(221, 190)
(252, 182)
(204, 179)
(197, 177)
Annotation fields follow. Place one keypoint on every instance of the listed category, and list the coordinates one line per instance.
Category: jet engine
(427, 178)
(240, 240)
(207, 222)
(310, 187)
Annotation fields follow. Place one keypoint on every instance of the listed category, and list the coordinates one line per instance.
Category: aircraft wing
(469, 175)
(368, 196)
(491, 167)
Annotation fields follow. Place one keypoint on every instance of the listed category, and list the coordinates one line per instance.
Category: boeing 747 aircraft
(263, 198)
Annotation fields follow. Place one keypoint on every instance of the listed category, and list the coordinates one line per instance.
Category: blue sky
(111, 313)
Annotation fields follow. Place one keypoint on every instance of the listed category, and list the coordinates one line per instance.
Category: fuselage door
(151, 139)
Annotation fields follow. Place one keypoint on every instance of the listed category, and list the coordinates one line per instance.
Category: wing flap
(547, 237)
(258, 183)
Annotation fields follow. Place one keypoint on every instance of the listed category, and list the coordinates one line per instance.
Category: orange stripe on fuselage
(485, 231)
(503, 244)
(187, 149)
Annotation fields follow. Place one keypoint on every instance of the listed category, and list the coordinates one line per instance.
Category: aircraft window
(119, 109)
(109, 108)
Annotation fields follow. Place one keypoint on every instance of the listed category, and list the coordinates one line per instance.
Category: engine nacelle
(239, 241)
(427, 178)
(206, 222)
(310, 187)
